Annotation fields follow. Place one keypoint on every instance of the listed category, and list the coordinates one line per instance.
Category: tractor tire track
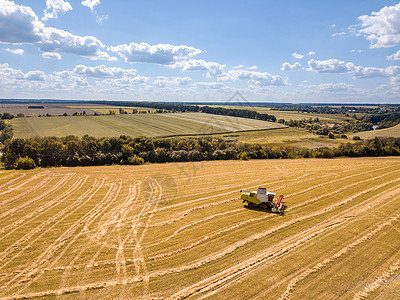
(57, 218)
(293, 283)
(48, 191)
(12, 180)
(42, 209)
(249, 265)
(27, 192)
(107, 200)
(198, 242)
(34, 268)
(378, 282)
(173, 270)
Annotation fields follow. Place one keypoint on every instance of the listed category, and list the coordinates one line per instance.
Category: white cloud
(334, 87)
(297, 55)
(288, 67)
(20, 25)
(209, 85)
(101, 19)
(175, 81)
(35, 75)
(90, 3)
(311, 53)
(51, 55)
(163, 54)
(252, 68)
(15, 51)
(182, 80)
(254, 77)
(338, 34)
(382, 28)
(213, 68)
(55, 7)
(394, 56)
(337, 66)
(7, 73)
(238, 67)
(330, 66)
(57, 40)
(357, 51)
(10, 73)
(103, 71)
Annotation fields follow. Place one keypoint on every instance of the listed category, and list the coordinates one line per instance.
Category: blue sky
(270, 51)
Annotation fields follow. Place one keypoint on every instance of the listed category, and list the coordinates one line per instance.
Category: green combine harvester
(264, 200)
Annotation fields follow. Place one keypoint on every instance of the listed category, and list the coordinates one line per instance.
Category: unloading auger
(264, 200)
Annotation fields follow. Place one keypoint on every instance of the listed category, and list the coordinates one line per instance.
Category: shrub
(25, 163)
(244, 156)
(135, 160)
(331, 135)
(356, 138)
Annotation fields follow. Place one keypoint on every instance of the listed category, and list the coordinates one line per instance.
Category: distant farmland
(289, 115)
(177, 231)
(135, 125)
(386, 132)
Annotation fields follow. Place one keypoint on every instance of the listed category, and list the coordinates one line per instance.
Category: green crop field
(135, 125)
(289, 136)
(386, 132)
(175, 231)
(289, 115)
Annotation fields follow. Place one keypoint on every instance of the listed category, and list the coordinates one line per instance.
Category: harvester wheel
(265, 206)
(250, 205)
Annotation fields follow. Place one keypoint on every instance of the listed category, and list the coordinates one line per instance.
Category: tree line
(177, 107)
(90, 151)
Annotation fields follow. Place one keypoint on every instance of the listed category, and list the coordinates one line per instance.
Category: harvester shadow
(262, 209)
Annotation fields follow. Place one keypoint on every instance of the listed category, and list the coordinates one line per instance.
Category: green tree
(25, 163)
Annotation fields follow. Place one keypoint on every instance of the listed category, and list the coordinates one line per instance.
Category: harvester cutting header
(264, 200)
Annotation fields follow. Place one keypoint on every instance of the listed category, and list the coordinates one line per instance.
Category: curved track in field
(153, 232)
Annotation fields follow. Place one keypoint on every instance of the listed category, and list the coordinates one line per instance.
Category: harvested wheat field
(179, 231)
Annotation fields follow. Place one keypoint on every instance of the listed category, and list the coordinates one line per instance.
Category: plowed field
(179, 231)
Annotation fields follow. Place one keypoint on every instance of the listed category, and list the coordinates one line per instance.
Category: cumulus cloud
(20, 25)
(103, 72)
(311, 53)
(254, 77)
(330, 66)
(337, 66)
(175, 81)
(163, 54)
(51, 55)
(238, 67)
(15, 51)
(57, 40)
(288, 67)
(334, 87)
(297, 55)
(9, 73)
(252, 68)
(209, 85)
(55, 7)
(382, 28)
(394, 56)
(35, 75)
(90, 3)
(212, 68)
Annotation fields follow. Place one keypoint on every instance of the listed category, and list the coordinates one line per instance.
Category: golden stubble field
(179, 231)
